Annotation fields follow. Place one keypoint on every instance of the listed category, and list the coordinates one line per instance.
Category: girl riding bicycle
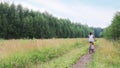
(91, 41)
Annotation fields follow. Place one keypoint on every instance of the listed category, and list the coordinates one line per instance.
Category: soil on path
(84, 60)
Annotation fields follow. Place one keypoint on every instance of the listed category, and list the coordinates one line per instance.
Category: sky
(94, 13)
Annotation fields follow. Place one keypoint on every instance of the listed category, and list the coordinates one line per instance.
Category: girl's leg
(92, 50)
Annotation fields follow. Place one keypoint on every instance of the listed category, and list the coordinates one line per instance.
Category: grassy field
(30, 53)
(66, 60)
(107, 55)
(57, 53)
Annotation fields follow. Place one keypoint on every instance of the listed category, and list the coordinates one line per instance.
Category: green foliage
(113, 31)
(108, 33)
(18, 22)
(97, 31)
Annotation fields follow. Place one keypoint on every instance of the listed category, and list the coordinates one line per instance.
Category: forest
(112, 32)
(17, 22)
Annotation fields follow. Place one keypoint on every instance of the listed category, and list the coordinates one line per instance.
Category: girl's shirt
(91, 38)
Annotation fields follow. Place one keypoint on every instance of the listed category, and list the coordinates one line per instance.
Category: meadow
(57, 53)
(41, 52)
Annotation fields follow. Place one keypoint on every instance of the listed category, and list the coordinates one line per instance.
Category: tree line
(97, 31)
(18, 22)
(113, 31)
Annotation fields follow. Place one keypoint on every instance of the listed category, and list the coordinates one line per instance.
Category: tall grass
(107, 55)
(8, 47)
(24, 53)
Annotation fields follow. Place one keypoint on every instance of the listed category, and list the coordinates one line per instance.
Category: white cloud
(52, 4)
(94, 16)
(91, 15)
(24, 4)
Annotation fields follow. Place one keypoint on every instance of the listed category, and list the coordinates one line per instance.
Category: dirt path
(84, 60)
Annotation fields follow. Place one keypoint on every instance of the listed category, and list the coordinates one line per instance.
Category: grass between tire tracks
(65, 61)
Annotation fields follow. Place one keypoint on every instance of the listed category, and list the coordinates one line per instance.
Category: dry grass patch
(8, 47)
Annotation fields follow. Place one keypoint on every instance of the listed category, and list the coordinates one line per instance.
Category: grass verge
(107, 55)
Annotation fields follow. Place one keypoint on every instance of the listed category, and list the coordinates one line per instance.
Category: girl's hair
(92, 43)
(90, 33)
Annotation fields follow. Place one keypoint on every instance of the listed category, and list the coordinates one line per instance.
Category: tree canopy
(18, 22)
(113, 31)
